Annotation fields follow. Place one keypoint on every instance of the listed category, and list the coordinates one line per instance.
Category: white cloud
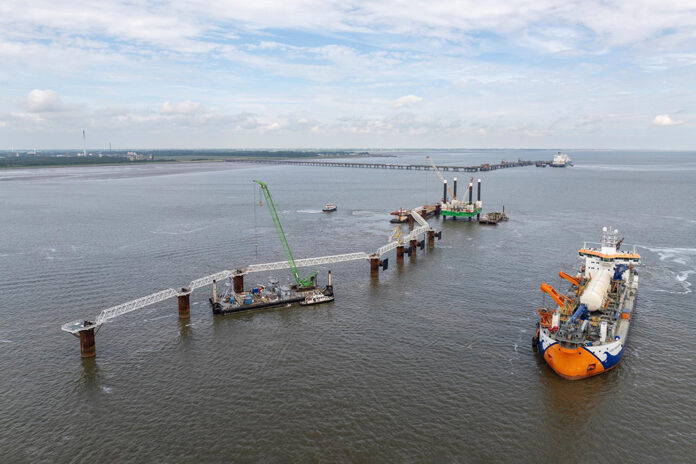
(406, 100)
(39, 101)
(665, 120)
(484, 65)
(184, 107)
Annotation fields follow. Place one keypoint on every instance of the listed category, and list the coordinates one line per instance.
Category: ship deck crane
(573, 280)
(566, 304)
(302, 282)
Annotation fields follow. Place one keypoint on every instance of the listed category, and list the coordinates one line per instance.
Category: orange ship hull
(573, 364)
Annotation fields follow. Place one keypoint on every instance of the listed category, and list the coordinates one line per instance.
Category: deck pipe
(238, 282)
(87, 348)
(328, 291)
(214, 291)
(455, 187)
(444, 197)
(478, 198)
(471, 195)
(185, 304)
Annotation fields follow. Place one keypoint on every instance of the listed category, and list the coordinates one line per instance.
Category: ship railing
(596, 246)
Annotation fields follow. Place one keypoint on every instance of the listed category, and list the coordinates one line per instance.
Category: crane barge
(305, 291)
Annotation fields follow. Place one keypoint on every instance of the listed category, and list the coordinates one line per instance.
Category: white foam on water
(156, 318)
(309, 211)
(178, 232)
(626, 168)
(358, 212)
(667, 254)
(62, 253)
(682, 257)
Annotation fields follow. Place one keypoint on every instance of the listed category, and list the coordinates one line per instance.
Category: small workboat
(315, 298)
(329, 208)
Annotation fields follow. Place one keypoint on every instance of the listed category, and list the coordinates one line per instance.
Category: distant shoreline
(172, 157)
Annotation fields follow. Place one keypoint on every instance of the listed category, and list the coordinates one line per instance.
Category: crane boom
(306, 282)
(439, 174)
(559, 298)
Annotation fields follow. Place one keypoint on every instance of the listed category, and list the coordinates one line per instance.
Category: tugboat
(586, 333)
(329, 208)
(401, 214)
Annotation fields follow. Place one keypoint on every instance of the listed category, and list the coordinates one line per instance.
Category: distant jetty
(415, 167)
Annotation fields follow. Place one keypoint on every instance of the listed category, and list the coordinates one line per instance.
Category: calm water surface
(431, 362)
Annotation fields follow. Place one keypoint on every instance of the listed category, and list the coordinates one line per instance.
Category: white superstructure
(561, 160)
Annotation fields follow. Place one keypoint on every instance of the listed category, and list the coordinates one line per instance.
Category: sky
(353, 74)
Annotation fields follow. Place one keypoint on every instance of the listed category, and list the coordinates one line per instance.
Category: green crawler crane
(302, 283)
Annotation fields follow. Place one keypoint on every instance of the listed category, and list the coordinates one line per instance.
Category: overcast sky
(325, 73)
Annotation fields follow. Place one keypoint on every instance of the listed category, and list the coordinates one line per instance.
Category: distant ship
(586, 333)
(329, 208)
(561, 160)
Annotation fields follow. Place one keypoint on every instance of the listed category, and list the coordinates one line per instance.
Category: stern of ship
(576, 361)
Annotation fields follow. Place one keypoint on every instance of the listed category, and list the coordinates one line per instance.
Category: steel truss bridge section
(307, 262)
(107, 314)
(124, 308)
(413, 235)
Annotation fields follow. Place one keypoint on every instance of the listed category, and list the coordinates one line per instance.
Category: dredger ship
(586, 333)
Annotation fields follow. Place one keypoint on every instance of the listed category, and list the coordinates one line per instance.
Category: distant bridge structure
(411, 167)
